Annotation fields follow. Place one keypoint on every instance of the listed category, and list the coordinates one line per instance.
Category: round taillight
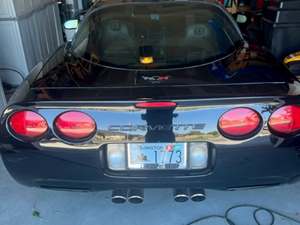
(27, 124)
(75, 126)
(239, 123)
(285, 120)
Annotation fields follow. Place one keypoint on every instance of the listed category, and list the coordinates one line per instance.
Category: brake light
(27, 124)
(75, 125)
(155, 105)
(239, 123)
(285, 120)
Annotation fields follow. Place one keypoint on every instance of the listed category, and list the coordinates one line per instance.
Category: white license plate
(157, 156)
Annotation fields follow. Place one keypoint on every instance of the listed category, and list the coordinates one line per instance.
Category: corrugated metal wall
(30, 32)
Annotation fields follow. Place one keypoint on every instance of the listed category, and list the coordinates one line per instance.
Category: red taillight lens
(27, 124)
(75, 125)
(285, 120)
(239, 123)
(145, 105)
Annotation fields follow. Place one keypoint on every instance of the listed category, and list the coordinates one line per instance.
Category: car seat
(117, 45)
(199, 41)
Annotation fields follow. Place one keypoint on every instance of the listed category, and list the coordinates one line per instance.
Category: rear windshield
(160, 35)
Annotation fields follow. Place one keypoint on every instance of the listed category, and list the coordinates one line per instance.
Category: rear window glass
(160, 35)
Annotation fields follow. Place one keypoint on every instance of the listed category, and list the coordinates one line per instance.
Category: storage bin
(283, 12)
(281, 39)
(288, 16)
(281, 26)
(290, 4)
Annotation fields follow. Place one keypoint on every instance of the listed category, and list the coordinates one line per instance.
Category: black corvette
(155, 95)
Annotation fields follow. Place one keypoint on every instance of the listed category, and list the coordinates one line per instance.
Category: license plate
(157, 156)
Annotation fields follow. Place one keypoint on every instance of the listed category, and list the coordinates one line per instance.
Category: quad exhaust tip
(134, 196)
(181, 195)
(195, 194)
(119, 196)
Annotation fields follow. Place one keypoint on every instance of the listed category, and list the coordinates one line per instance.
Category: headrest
(197, 31)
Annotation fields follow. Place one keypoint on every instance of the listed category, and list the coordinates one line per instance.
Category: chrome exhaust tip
(181, 195)
(197, 195)
(136, 196)
(119, 196)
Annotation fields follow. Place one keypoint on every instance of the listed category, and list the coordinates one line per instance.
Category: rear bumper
(86, 170)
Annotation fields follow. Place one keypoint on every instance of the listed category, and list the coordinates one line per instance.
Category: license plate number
(157, 156)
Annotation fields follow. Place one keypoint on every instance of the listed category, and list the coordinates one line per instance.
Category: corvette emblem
(156, 78)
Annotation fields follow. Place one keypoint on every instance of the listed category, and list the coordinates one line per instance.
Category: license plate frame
(157, 156)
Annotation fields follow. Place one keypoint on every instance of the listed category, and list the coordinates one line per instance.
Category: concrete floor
(18, 204)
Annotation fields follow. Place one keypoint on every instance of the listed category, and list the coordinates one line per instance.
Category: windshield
(160, 35)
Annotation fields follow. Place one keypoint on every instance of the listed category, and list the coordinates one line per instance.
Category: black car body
(162, 73)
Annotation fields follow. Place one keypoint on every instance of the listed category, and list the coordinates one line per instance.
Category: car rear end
(219, 143)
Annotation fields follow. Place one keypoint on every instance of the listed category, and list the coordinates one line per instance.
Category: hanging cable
(21, 75)
(256, 210)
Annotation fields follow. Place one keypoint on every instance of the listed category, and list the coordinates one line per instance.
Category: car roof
(98, 4)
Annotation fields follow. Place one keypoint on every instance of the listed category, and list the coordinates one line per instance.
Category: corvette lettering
(175, 127)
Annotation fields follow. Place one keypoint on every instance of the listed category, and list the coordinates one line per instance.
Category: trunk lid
(244, 73)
